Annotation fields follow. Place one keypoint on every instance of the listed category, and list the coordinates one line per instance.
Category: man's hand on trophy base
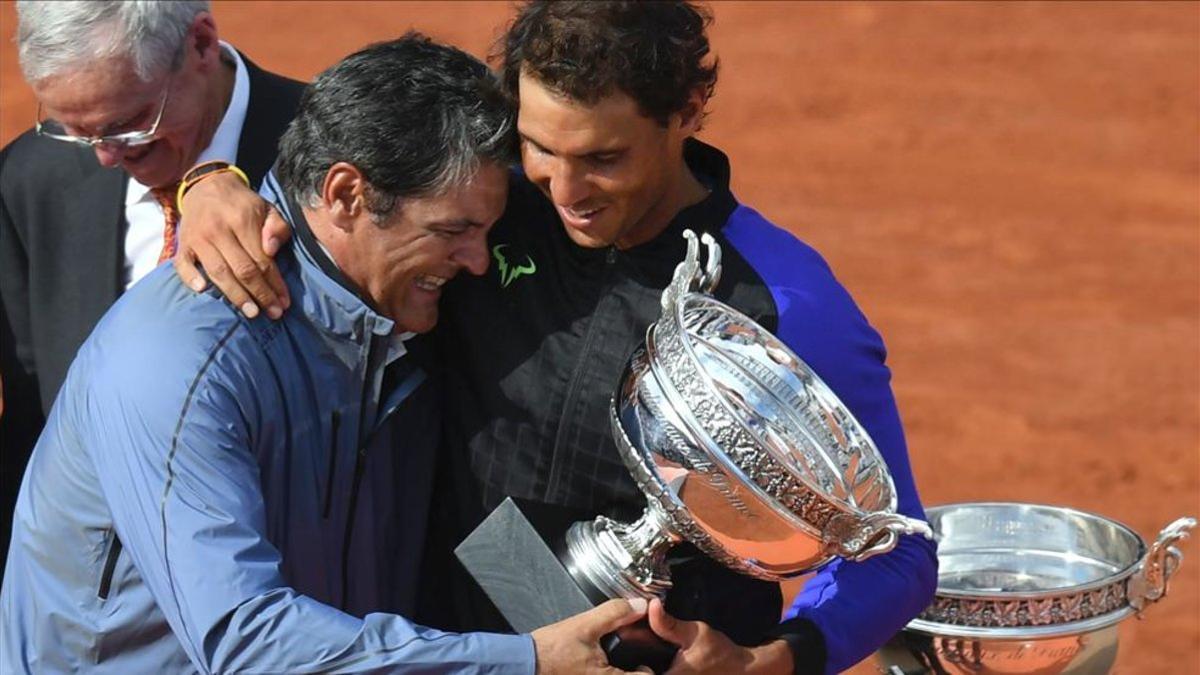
(703, 649)
(573, 645)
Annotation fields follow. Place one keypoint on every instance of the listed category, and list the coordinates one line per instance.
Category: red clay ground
(1012, 193)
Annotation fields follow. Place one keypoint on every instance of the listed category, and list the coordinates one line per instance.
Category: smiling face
(107, 97)
(616, 176)
(401, 263)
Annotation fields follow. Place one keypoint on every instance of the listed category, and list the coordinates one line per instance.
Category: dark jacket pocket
(331, 472)
(110, 566)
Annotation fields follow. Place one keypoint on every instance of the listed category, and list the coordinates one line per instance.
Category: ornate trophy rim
(1069, 609)
(788, 488)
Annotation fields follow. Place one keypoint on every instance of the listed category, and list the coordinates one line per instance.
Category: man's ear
(202, 41)
(691, 117)
(343, 194)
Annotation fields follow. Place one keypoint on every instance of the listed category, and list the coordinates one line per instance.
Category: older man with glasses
(130, 95)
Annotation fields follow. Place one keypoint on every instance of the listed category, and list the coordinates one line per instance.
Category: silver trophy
(739, 448)
(1025, 588)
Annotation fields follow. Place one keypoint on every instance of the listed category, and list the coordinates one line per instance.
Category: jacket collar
(323, 292)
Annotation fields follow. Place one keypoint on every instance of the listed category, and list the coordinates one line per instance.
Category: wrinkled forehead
(485, 191)
(90, 94)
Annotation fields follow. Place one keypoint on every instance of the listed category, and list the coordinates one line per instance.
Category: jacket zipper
(558, 456)
(359, 466)
(110, 566)
(335, 422)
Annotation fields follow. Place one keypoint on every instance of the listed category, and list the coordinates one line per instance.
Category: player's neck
(685, 190)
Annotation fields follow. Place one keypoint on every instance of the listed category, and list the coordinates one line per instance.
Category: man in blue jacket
(611, 97)
(220, 494)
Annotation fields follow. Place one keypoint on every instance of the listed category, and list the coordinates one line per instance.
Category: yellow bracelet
(202, 171)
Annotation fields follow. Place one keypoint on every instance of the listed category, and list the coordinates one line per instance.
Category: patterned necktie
(165, 196)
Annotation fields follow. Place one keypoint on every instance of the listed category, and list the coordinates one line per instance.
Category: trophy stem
(620, 560)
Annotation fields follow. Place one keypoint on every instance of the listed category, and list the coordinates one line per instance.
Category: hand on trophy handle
(703, 649)
(573, 645)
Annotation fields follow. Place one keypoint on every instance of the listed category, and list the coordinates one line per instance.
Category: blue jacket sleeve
(856, 606)
(174, 460)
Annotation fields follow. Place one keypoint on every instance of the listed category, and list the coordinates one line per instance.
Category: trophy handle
(1149, 584)
(689, 276)
(858, 539)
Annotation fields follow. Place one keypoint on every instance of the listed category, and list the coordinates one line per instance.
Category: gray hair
(54, 37)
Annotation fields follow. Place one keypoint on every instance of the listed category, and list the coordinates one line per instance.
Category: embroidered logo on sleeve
(508, 272)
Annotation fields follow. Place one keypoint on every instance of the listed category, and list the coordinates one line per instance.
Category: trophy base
(516, 557)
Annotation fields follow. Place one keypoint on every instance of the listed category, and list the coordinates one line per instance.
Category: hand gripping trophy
(740, 449)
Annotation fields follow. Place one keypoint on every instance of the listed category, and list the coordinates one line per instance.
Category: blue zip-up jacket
(214, 494)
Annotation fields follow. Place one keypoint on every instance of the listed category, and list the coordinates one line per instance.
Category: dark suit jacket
(62, 230)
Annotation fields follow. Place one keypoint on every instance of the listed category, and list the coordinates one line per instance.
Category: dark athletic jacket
(532, 354)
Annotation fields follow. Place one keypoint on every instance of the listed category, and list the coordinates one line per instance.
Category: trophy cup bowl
(1027, 588)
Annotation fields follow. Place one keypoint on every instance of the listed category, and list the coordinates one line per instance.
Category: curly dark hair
(655, 52)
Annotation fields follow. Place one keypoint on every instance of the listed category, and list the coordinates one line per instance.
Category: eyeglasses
(126, 139)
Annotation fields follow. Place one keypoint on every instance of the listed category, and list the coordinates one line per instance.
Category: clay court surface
(1011, 192)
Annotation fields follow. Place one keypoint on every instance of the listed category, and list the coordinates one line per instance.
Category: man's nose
(568, 185)
(109, 155)
(473, 256)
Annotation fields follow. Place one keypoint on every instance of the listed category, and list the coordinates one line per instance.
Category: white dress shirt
(144, 237)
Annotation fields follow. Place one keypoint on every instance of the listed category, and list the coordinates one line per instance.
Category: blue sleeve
(173, 451)
(856, 606)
